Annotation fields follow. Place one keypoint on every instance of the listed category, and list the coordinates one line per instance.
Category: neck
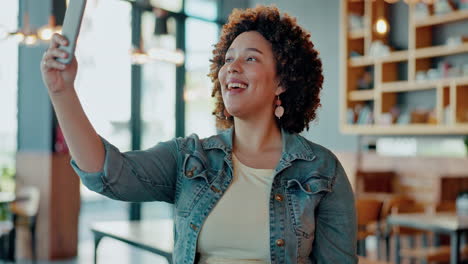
(256, 136)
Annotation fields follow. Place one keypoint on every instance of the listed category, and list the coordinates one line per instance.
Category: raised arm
(148, 175)
(84, 143)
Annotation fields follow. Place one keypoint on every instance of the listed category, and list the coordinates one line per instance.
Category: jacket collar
(294, 145)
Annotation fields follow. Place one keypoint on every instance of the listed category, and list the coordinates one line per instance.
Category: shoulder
(194, 142)
(320, 152)
(325, 160)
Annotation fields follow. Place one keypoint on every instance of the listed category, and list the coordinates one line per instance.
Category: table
(155, 236)
(448, 223)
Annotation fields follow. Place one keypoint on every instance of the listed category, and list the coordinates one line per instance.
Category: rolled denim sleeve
(136, 176)
(336, 225)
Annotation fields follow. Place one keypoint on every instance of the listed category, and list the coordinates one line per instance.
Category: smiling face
(248, 77)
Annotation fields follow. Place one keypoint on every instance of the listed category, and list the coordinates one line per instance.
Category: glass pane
(171, 5)
(202, 8)
(198, 101)
(104, 76)
(104, 87)
(158, 101)
(158, 88)
(8, 94)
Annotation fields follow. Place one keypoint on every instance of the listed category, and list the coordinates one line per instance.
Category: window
(104, 76)
(158, 86)
(8, 94)
(198, 101)
(207, 9)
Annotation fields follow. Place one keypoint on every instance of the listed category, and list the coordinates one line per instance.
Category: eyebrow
(248, 49)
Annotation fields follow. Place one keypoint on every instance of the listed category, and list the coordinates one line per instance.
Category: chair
(24, 210)
(379, 229)
(368, 212)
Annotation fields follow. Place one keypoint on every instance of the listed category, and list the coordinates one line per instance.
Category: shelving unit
(398, 75)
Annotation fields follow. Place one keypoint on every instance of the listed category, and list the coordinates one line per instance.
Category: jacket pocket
(192, 183)
(303, 198)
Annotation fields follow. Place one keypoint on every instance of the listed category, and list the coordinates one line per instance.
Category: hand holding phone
(71, 28)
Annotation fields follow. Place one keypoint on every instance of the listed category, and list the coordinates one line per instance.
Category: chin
(234, 111)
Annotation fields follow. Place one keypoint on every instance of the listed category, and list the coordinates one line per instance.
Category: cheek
(221, 75)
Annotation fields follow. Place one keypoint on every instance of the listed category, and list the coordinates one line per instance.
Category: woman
(255, 193)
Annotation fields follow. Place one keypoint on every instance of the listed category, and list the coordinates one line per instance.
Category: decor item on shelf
(465, 70)
(454, 41)
(365, 116)
(433, 74)
(354, 54)
(447, 115)
(443, 67)
(378, 49)
(421, 11)
(386, 119)
(443, 7)
(454, 72)
(395, 112)
(421, 76)
(366, 81)
(403, 119)
(419, 116)
(432, 117)
(446, 70)
(355, 22)
(356, 112)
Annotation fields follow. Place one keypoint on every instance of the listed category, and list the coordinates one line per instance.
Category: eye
(228, 59)
(251, 59)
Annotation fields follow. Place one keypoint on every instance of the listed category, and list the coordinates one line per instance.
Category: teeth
(237, 85)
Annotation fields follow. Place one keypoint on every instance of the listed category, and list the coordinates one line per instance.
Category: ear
(279, 90)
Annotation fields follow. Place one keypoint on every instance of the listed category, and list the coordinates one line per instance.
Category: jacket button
(189, 173)
(279, 197)
(194, 227)
(280, 242)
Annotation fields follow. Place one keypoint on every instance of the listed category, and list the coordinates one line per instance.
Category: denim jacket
(312, 211)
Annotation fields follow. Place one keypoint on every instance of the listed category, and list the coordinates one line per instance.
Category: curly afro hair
(297, 64)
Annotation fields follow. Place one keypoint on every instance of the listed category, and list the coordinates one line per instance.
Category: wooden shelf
(357, 34)
(451, 94)
(395, 56)
(412, 129)
(361, 95)
(438, 51)
(441, 19)
(405, 86)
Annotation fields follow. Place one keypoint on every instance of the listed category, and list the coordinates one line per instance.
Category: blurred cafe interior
(394, 111)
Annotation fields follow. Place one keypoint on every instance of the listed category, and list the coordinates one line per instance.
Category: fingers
(52, 64)
(48, 60)
(58, 40)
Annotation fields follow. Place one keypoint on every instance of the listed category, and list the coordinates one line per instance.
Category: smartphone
(71, 27)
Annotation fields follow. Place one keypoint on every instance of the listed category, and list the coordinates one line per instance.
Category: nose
(234, 66)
